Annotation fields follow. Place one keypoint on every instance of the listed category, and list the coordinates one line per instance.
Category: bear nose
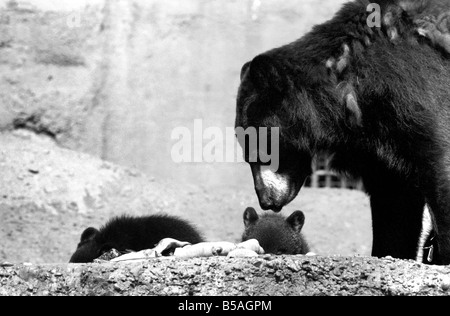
(267, 200)
(268, 203)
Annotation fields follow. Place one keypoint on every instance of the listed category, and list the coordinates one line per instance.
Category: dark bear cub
(127, 233)
(275, 233)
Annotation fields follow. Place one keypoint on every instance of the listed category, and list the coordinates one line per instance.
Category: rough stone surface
(262, 276)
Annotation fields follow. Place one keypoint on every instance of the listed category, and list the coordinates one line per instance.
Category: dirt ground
(49, 195)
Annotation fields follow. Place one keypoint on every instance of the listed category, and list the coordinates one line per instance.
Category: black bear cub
(275, 233)
(126, 233)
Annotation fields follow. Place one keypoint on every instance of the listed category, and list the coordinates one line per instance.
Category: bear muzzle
(274, 190)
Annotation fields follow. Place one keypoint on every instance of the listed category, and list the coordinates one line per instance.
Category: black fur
(275, 233)
(378, 101)
(126, 233)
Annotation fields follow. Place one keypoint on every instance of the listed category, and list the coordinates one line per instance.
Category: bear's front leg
(438, 199)
(397, 221)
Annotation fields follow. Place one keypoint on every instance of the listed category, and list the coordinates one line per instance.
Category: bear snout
(274, 190)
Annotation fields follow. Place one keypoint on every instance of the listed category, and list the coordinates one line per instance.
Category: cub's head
(88, 248)
(275, 233)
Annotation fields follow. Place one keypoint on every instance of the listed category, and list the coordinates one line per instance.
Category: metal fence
(323, 177)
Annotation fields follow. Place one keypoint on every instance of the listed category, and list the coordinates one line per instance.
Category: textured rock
(262, 276)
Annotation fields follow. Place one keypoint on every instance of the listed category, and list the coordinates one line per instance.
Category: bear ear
(296, 220)
(250, 216)
(89, 234)
(265, 73)
(245, 69)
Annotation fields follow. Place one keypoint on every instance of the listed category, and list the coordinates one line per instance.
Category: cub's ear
(89, 234)
(296, 220)
(265, 73)
(250, 216)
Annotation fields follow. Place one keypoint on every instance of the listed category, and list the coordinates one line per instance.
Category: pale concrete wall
(114, 78)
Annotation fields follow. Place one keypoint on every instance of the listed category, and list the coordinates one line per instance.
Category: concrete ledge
(265, 275)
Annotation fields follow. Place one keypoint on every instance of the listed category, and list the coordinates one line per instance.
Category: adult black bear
(378, 100)
(275, 233)
(127, 233)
